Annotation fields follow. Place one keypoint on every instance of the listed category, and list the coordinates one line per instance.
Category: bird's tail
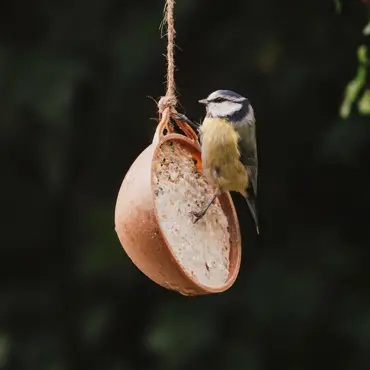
(252, 207)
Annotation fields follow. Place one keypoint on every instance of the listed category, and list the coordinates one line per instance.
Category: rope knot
(169, 101)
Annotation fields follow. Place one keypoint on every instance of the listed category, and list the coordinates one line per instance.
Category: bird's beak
(203, 101)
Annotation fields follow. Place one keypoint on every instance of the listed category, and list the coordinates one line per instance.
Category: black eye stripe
(218, 100)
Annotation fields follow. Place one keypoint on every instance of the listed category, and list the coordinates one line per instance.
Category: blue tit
(229, 148)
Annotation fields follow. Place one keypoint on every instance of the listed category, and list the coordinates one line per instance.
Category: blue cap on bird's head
(228, 104)
(221, 95)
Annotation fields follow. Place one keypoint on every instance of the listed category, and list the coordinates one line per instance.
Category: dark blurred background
(74, 115)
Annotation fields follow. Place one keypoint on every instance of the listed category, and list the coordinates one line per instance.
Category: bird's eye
(219, 100)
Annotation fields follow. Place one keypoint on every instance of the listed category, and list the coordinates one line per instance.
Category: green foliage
(338, 6)
(354, 87)
(366, 30)
(4, 349)
(364, 103)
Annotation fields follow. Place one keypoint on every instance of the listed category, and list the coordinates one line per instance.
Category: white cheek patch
(224, 109)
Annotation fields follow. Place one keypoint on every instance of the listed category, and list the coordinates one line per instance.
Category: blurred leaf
(338, 6)
(366, 30)
(362, 54)
(354, 87)
(4, 350)
(364, 103)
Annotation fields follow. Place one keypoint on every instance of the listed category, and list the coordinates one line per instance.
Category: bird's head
(228, 104)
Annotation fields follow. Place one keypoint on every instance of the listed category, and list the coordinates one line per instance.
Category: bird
(229, 148)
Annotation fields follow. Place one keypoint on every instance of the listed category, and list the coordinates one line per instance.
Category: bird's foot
(196, 216)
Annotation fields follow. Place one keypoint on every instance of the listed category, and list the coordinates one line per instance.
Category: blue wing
(249, 157)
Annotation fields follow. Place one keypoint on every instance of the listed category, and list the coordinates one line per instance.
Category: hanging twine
(169, 100)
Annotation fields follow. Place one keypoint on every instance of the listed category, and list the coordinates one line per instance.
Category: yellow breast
(220, 155)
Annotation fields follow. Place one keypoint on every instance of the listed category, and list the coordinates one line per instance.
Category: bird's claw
(196, 216)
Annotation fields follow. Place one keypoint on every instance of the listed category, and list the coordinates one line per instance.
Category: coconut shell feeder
(154, 204)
